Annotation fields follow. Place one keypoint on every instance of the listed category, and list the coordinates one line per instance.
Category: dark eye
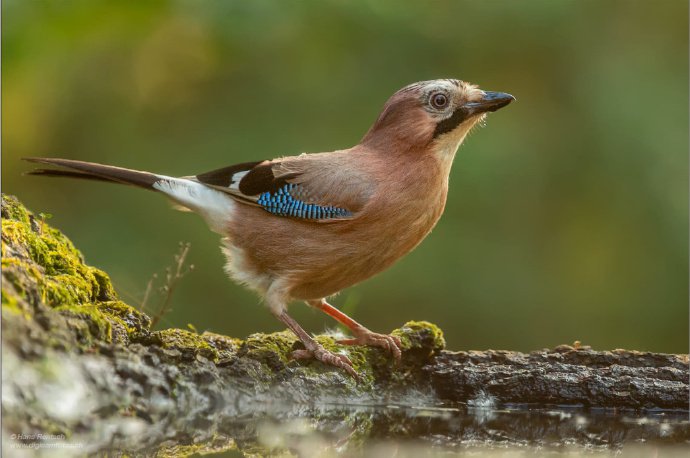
(439, 100)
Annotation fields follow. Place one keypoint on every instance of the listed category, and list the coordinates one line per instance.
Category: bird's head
(434, 114)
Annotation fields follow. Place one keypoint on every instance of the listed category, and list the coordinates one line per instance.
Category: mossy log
(81, 364)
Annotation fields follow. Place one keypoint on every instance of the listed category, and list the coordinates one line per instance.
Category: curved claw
(388, 342)
(327, 357)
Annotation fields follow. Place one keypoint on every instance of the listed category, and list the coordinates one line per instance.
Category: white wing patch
(216, 207)
(236, 178)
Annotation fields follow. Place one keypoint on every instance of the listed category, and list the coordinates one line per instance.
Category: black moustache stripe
(450, 123)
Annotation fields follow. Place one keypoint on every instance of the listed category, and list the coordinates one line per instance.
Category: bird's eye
(439, 100)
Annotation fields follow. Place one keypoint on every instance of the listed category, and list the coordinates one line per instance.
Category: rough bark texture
(83, 366)
(565, 376)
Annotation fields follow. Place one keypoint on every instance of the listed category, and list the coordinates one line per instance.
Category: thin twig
(149, 287)
(172, 278)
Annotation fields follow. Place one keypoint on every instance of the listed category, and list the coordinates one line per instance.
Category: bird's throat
(445, 147)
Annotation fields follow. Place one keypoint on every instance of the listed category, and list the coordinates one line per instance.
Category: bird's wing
(315, 187)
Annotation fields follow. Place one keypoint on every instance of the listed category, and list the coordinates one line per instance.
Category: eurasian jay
(305, 227)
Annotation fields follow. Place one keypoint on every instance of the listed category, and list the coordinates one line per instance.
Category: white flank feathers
(214, 206)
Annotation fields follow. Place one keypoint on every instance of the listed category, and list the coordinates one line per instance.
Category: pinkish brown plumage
(305, 227)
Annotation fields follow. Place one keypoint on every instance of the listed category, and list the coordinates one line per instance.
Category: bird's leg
(313, 349)
(363, 336)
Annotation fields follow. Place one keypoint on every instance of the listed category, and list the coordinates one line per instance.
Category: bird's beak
(491, 101)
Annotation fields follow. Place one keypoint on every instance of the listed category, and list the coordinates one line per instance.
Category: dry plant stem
(171, 282)
(147, 293)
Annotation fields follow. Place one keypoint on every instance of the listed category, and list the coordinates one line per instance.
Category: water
(402, 431)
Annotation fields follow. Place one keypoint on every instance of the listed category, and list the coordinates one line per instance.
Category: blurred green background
(568, 214)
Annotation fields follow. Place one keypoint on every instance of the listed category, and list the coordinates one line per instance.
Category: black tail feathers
(93, 171)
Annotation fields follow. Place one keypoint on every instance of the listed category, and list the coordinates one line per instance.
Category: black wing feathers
(223, 177)
(248, 179)
(261, 179)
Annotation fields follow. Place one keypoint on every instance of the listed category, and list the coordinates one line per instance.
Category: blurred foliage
(568, 213)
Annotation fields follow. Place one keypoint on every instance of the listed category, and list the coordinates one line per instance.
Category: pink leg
(363, 336)
(315, 350)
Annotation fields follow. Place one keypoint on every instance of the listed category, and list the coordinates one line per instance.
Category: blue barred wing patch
(286, 202)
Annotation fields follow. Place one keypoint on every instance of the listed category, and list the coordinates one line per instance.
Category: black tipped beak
(491, 101)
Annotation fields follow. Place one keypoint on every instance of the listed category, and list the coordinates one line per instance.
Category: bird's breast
(405, 217)
(396, 220)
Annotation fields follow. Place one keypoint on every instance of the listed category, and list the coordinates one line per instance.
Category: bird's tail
(93, 171)
(215, 206)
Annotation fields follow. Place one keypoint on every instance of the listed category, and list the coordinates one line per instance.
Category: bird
(304, 227)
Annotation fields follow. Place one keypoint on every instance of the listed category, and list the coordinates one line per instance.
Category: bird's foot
(332, 359)
(373, 339)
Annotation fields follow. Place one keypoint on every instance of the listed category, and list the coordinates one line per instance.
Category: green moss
(12, 209)
(421, 334)
(105, 291)
(227, 347)
(41, 267)
(51, 261)
(189, 344)
(216, 445)
(135, 323)
(88, 322)
(272, 350)
(11, 303)
(65, 290)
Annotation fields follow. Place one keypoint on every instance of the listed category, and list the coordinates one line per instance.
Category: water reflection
(402, 431)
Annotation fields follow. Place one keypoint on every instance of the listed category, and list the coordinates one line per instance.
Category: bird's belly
(356, 257)
(343, 271)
